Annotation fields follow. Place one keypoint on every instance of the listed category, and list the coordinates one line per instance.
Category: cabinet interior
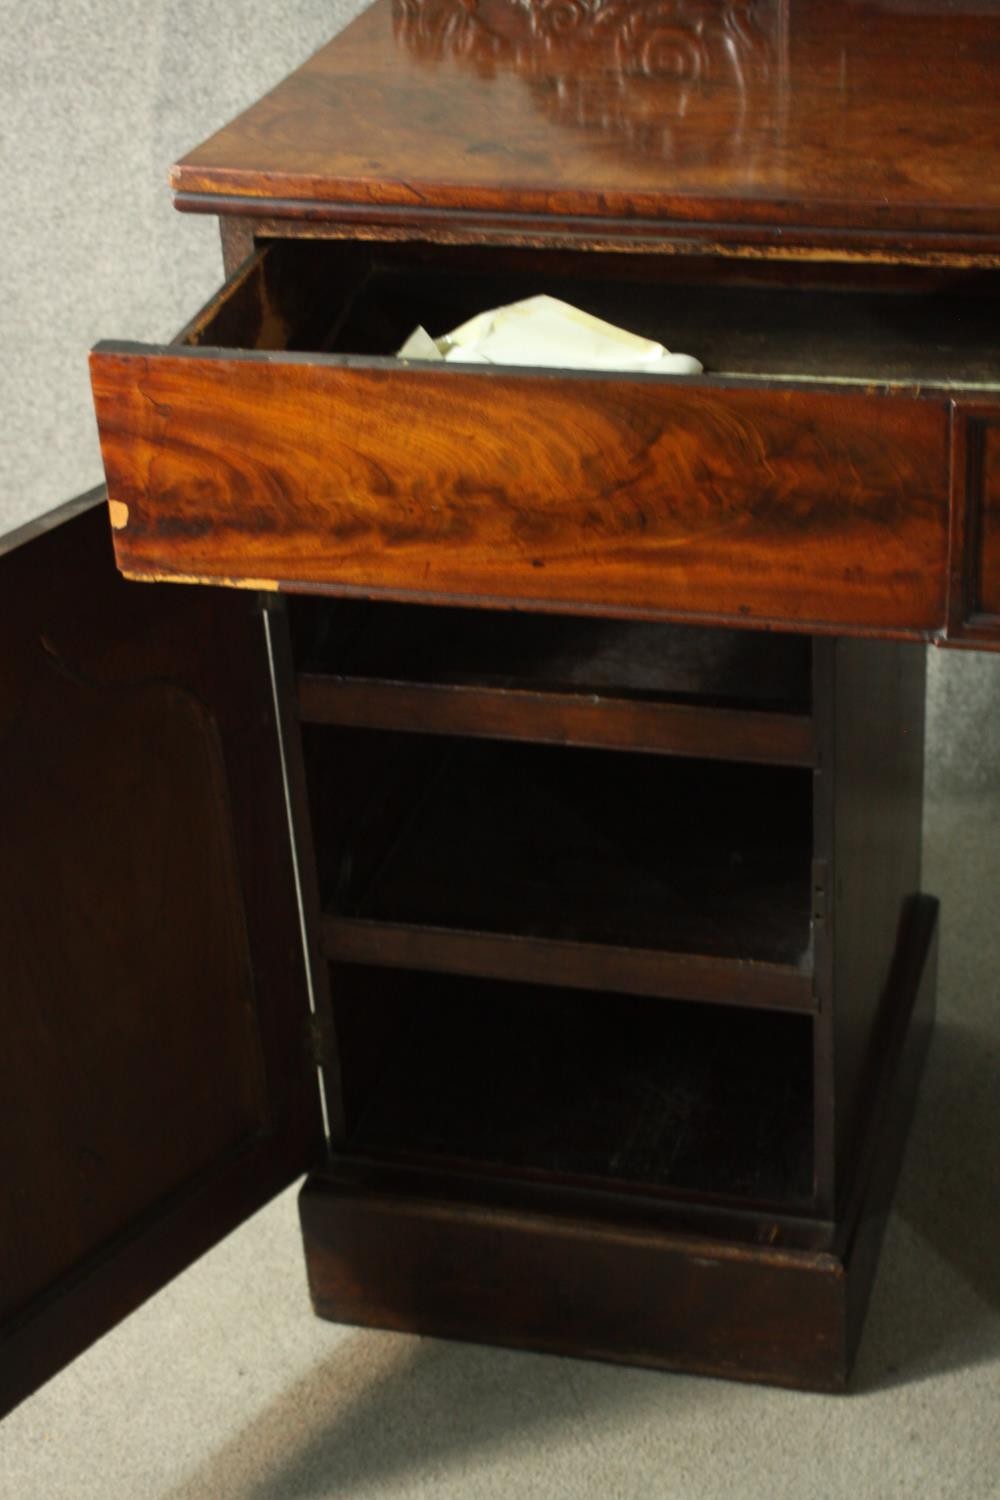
(510, 923)
(566, 844)
(610, 1089)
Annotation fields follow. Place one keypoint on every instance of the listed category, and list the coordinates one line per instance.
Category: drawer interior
(740, 319)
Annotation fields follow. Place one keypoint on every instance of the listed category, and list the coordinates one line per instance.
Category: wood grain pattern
(770, 116)
(626, 494)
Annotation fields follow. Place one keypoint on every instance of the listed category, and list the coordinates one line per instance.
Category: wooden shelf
(593, 966)
(533, 1082)
(596, 871)
(614, 684)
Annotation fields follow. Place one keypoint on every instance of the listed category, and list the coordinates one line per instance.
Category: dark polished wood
(988, 592)
(458, 1267)
(154, 1074)
(974, 610)
(674, 1285)
(553, 679)
(463, 873)
(867, 806)
(562, 961)
(796, 117)
(889, 1088)
(875, 830)
(634, 922)
(559, 719)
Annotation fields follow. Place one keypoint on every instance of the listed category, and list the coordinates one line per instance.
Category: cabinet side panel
(974, 597)
(988, 495)
(153, 1075)
(878, 708)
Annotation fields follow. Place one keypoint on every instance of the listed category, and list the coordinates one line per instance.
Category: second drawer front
(738, 503)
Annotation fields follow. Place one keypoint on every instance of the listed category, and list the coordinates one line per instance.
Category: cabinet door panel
(155, 1079)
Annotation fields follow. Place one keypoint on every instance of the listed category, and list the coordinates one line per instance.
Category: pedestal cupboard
(494, 792)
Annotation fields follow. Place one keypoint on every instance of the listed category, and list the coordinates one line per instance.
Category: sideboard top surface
(874, 123)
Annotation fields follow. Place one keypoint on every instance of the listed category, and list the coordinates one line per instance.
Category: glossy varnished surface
(874, 122)
(629, 495)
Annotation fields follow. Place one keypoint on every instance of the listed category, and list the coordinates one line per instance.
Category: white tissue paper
(544, 331)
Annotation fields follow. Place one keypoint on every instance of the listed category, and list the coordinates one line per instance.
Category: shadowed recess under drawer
(550, 678)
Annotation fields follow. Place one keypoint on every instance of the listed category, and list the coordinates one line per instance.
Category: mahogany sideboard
(496, 792)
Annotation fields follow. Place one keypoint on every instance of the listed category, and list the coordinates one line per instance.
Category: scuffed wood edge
(265, 585)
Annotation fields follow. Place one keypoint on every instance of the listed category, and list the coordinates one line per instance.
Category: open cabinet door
(156, 1079)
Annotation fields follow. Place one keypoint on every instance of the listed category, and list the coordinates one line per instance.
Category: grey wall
(96, 101)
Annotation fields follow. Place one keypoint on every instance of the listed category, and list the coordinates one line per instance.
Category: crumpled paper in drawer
(544, 331)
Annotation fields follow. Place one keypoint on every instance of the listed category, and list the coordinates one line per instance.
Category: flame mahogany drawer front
(278, 444)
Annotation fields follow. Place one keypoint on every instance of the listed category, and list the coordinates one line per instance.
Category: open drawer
(804, 479)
